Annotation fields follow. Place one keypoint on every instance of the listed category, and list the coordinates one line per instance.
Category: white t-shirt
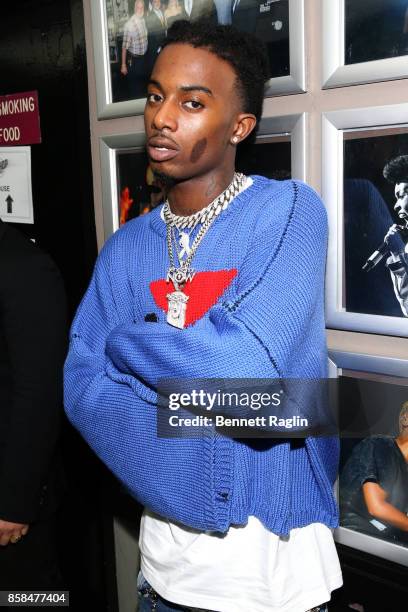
(248, 568)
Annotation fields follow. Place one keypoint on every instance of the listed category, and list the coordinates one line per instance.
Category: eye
(153, 97)
(193, 104)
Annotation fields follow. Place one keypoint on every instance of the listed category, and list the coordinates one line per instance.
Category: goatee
(164, 180)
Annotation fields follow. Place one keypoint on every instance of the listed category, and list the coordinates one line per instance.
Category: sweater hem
(282, 526)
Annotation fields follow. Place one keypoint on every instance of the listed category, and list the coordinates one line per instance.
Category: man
(396, 172)
(374, 485)
(32, 351)
(199, 9)
(156, 32)
(268, 20)
(229, 525)
(134, 48)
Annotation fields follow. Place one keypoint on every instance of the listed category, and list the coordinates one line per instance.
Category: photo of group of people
(376, 222)
(373, 475)
(136, 31)
(375, 29)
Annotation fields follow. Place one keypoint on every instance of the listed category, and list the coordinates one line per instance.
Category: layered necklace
(183, 273)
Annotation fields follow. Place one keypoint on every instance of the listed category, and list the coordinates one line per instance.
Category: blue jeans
(150, 601)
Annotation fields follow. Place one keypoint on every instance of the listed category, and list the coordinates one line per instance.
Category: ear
(244, 125)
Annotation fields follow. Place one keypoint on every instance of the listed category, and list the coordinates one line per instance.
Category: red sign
(19, 119)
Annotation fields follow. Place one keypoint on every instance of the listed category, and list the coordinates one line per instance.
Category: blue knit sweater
(268, 323)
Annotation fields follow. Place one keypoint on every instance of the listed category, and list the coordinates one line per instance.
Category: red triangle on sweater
(203, 292)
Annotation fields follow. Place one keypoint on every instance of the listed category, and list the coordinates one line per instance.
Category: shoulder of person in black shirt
(33, 342)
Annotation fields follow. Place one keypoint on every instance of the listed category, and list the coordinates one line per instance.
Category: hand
(124, 69)
(394, 241)
(10, 531)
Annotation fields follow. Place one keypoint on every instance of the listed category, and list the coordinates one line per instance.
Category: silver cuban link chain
(177, 300)
(215, 207)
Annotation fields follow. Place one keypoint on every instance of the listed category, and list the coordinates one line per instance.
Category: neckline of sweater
(159, 226)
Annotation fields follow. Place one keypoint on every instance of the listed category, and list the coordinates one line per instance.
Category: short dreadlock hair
(244, 52)
(396, 171)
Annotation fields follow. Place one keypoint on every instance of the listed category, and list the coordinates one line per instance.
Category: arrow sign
(9, 201)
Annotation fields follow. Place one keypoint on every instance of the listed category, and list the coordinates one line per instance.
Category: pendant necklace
(183, 241)
(179, 276)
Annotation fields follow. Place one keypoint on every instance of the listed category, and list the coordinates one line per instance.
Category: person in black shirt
(33, 337)
(374, 485)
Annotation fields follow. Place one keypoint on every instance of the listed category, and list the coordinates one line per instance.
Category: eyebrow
(153, 82)
(197, 88)
(184, 87)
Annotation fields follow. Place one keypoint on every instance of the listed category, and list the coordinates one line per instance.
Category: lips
(161, 149)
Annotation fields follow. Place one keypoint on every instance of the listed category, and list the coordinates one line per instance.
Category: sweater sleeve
(117, 416)
(274, 325)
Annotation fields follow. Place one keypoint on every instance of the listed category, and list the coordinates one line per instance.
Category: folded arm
(377, 505)
(117, 415)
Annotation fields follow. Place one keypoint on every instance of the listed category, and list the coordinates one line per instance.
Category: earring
(235, 139)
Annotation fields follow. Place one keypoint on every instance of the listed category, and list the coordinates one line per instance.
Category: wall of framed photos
(329, 87)
(336, 113)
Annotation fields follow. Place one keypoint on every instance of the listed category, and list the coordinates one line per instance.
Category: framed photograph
(364, 41)
(374, 390)
(128, 34)
(16, 198)
(365, 189)
(128, 186)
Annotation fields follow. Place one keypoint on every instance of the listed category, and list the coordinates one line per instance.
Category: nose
(165, 116)
(397, 205)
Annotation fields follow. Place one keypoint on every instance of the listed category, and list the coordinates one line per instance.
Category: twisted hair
(244, 53)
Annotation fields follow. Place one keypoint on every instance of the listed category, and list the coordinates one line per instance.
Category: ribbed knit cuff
(218, 454)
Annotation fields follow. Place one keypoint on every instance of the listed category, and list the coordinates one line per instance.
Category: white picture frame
(334, 123)
(383, 367)
(15, 183)
(295, 82)
(335, 73)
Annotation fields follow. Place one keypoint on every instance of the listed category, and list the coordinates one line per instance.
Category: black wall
(42, 47)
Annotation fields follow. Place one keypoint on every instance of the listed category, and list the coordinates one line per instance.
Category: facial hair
(165, 181)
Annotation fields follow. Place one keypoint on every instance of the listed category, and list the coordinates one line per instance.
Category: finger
(25, 530)
(4, 539)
